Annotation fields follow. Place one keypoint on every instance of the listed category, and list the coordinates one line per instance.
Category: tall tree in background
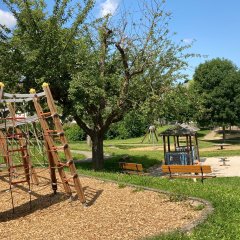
(125, 65)
(98, 71)
(218, 86)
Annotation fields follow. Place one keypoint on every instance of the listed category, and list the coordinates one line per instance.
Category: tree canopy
(98, 69)
(218, 85)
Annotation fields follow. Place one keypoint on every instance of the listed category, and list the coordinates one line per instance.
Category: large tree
(218, 85)
(100, 70)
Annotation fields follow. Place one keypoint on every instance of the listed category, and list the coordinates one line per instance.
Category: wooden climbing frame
(51, 147)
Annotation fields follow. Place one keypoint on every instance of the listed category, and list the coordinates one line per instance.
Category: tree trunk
(97, 151)
(224, 133)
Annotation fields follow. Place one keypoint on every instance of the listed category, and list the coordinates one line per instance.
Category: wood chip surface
(113, 212)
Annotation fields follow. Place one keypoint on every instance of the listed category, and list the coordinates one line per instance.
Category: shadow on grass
(111, 164)
(233, 141)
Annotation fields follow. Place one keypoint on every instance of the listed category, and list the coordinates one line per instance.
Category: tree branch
(83, 125)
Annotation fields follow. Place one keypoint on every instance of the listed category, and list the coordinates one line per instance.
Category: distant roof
(180, 130)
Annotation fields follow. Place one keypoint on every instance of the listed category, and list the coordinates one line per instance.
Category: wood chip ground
(113, 212)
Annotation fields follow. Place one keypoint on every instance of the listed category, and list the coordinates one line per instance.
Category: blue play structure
(180, 155)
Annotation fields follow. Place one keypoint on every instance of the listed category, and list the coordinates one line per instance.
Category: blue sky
(214, 24)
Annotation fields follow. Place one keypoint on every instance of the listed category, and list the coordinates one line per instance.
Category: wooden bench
(185, 171)
(131, 168)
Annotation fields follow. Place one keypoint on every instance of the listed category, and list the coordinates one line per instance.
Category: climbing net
(21, 142)
(31, 134)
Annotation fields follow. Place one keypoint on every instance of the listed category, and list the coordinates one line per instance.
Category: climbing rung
(16, 166)
(46, 114)
(54, 133)
(59, 147)
(51, 131)
(20, 181)
(67, 164)
(16, 135)
(17, 150)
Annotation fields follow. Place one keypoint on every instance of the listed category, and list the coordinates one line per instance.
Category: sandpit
(113, 212)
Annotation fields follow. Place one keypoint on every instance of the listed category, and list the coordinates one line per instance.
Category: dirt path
(211, 135)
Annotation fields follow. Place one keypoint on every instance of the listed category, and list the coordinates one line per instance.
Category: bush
(74, 132)
(133, 125)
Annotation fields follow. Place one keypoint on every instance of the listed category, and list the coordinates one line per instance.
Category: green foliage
(133, 125)
(74, 132)
(42, 47)
(218, 86)
(179, 104)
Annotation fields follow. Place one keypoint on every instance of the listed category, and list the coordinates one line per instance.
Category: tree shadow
(233, 141)
(42, 202)
(111, 164)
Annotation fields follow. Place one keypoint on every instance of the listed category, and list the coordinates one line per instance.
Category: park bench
(131, 168)
(187, 171)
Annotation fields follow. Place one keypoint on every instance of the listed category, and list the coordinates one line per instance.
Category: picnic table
(221, 145)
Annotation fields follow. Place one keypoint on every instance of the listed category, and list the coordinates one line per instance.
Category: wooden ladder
(23, 147)
(52, 148)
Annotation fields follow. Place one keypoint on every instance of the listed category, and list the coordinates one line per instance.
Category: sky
(213, 24)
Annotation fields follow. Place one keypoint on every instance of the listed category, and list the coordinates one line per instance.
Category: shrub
(74, 132)
(133, 125)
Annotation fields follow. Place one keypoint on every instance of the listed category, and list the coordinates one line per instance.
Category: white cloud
(7, 19)
(108, 7)
(188, 40)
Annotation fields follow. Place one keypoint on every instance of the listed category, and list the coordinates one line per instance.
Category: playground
(113, 212)
(34, 190)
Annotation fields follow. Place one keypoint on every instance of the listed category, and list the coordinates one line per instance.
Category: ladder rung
(51, 131)
(54, 133)
(20, 181)
(67, 164)
(17, 150)
(16, 135)
(16, 166)
(59, 147)
(46, 114)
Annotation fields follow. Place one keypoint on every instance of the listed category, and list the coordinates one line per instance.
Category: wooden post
(191, 149)
(52, 167)
(175, 144)
(197, 149)
(168, 140)
(187, 143)
(164, 147)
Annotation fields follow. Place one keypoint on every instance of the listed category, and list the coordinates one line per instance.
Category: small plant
(121, 185)
(199, 207)
(177, 197)
(138, 189)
